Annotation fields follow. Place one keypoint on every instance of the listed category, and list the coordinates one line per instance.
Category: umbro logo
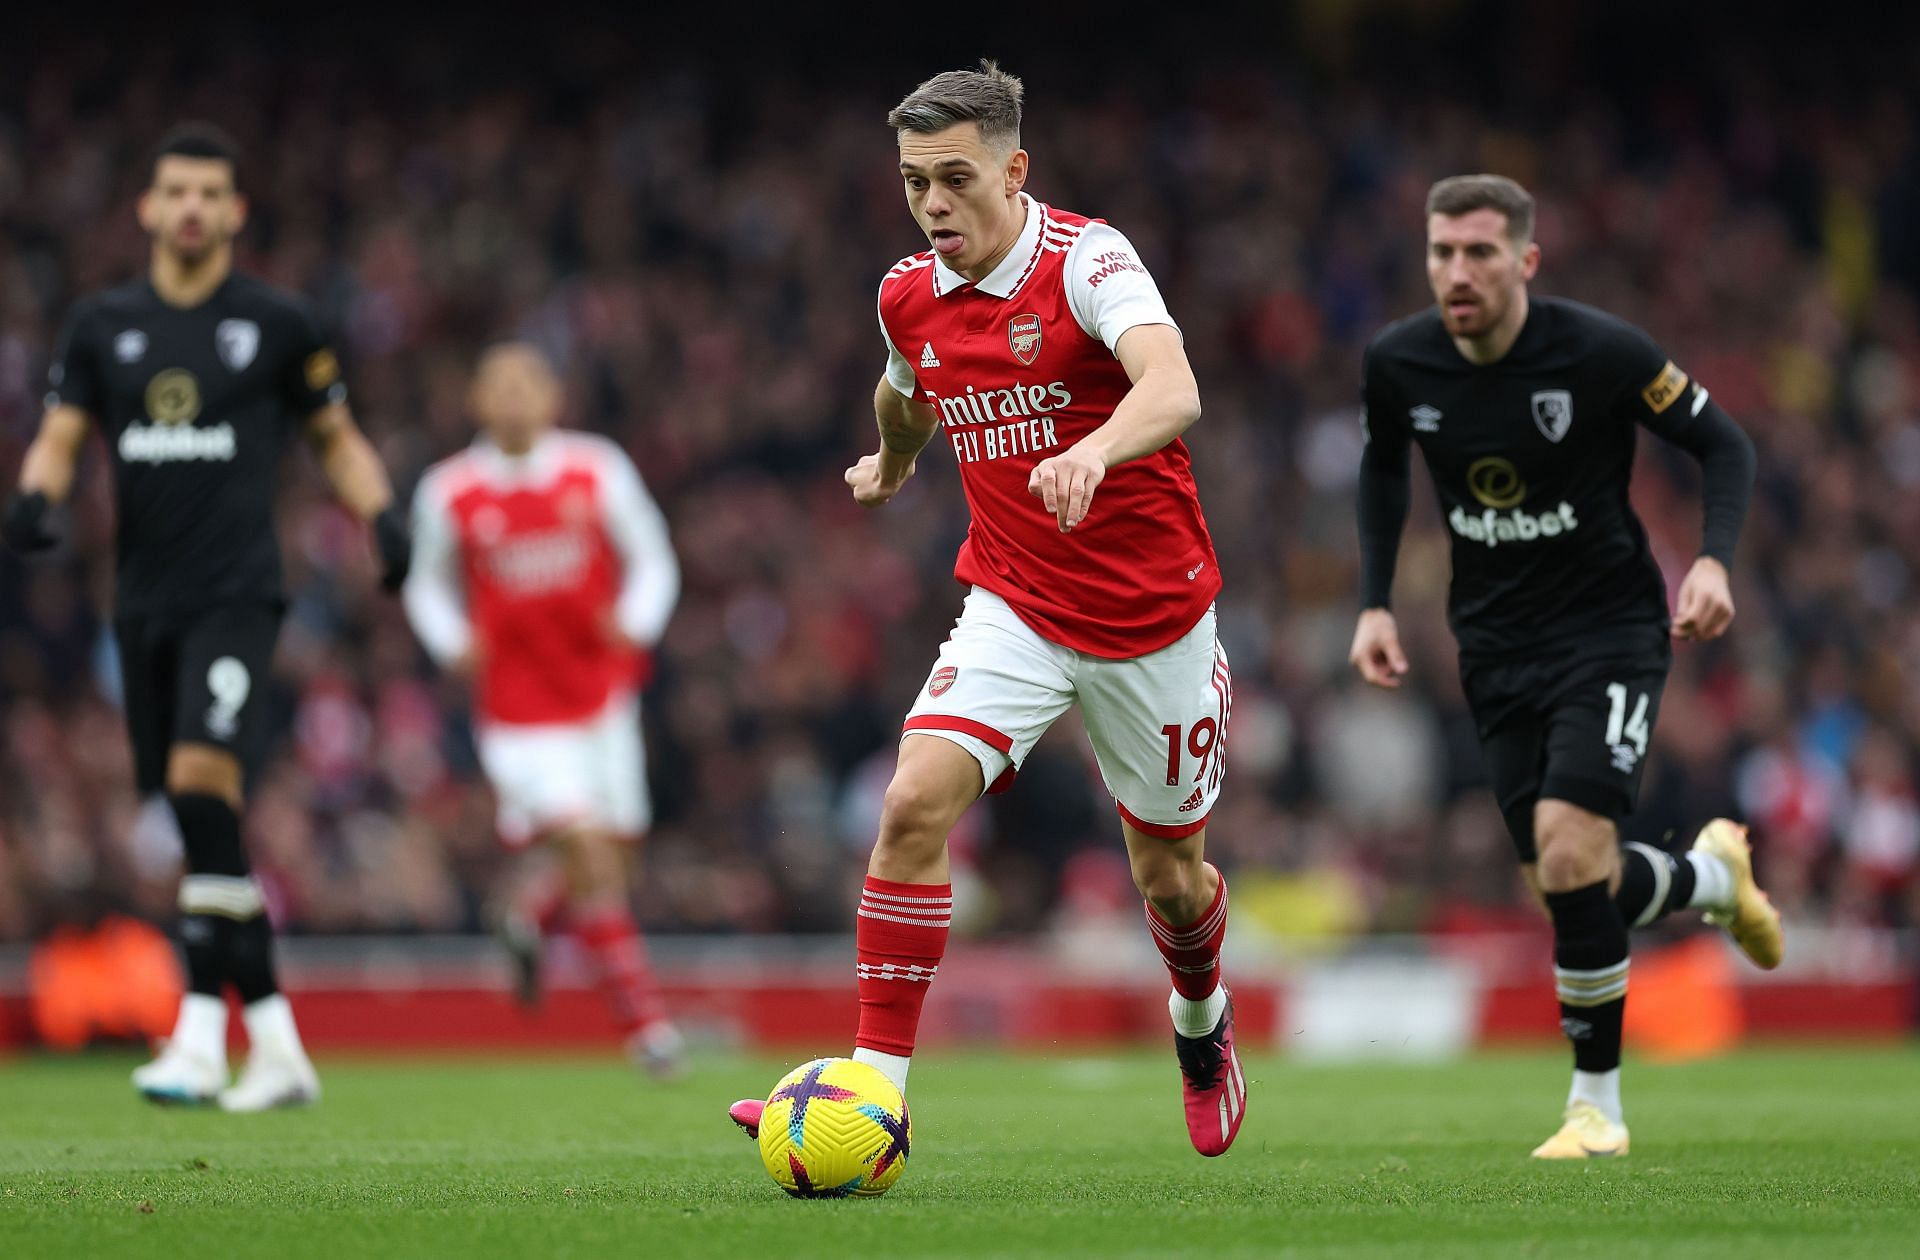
(1425, 419)
(928, 359)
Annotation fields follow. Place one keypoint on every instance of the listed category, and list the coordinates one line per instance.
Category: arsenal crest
(1553, 413)
(238, 340)
(943, 677)
(1023, 335)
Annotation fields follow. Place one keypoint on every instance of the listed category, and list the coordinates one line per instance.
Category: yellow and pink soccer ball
(834, 1128)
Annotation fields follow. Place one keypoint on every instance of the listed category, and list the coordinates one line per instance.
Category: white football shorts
(1158, 723)
(547, 777)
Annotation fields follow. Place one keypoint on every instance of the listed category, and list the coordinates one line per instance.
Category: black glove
(395, 543)
(27, 528)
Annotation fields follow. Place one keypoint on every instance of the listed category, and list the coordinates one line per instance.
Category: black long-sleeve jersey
(197, 406)
(1531, 457)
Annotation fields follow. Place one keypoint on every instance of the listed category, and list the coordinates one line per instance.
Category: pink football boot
(1214, 1086)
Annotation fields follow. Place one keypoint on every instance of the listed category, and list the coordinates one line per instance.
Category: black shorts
(1572, 728)
(196, 677)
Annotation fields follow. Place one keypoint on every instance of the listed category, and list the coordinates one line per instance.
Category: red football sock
(899, 936)
(1193, 952)
(621, 959)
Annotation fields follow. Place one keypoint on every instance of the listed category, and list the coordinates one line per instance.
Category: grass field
(1777, 1153)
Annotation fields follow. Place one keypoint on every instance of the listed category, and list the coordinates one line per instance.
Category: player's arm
(47, 472)
(650, 582)
(906, 426)
(1381, 500)
(432, 594)
(1162, 404)
(46, 478)
(1681, 410)
(1113, 298)
(359, 480)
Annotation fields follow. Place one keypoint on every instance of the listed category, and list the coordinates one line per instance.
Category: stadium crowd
(700, 252)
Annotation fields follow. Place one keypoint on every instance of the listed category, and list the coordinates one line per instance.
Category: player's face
(1476, 271)
(962, 193)
(515, 397)
(192, 207)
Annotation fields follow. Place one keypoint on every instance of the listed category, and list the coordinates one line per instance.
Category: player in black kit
(198, 376)
(1526, 410)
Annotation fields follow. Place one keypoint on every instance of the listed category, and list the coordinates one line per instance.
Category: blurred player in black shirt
(198, 376)
(1526, 410)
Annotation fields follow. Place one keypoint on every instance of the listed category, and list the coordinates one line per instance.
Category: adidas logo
(1194, 802)
(928, 358)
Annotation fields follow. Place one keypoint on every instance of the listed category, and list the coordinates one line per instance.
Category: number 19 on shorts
(1199, 742)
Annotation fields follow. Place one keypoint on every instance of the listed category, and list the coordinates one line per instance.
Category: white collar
(533, 466)
(1006, 279)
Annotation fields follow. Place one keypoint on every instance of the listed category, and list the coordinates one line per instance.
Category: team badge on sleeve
(1023, 335)
(238, 340)
(1664, 388)
(1553, 413)
(942, 680)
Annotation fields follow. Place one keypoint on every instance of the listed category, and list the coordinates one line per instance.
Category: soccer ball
(833, 1128)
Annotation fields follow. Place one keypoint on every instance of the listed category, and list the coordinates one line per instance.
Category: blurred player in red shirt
(545, 575)
(1034, 343)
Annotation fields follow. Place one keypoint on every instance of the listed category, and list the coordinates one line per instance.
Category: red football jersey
(555, 563)
(1020, 367)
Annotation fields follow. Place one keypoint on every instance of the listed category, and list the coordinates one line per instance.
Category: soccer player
(1526, 410)
(543, 572)
(198, 374)
(1036, 343)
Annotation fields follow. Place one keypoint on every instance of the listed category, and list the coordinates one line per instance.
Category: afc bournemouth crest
(942, 679)
(1553, 413)
(238, 340)
(1023, 334)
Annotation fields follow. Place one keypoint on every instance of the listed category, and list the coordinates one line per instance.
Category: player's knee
(204, 771)
(1166, 879)
(1576, 846)
(915, 816)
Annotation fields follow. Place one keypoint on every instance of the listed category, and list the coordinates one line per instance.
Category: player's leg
(219, 737)
(995, 689)
(1600, 718)
(1579, 863)
(193, 1065)
(1716, 874)
(600, 915)
(1158, 725)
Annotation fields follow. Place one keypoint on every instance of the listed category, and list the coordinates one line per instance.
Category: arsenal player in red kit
(1037, 345)
(545, 575)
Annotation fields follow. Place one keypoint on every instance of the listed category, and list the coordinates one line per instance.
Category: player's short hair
(988, 97)
(198, 140)
(1463, 194)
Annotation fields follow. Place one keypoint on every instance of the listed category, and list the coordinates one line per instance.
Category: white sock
(892, 1066)
(1712, 882)
(202, 1026)
(1602, 1089)
(1193, 1018)
(270, 1027)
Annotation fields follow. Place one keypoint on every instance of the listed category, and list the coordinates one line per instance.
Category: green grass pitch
(1803, 1153)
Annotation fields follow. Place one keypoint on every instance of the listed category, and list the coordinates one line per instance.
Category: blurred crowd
(699, 249)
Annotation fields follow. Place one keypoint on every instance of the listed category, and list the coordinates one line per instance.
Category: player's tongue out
(949, 243)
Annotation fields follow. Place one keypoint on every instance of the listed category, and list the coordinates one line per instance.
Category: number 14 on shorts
(1626, 734)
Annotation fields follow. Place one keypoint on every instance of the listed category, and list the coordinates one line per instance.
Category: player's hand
(394, 540)
(1066, 482)
(1376, 649)
(26, 525)
(1706, 602)
(869, 482)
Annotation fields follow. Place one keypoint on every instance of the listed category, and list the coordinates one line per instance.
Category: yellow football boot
(1587, 1134)
(1752, 921)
